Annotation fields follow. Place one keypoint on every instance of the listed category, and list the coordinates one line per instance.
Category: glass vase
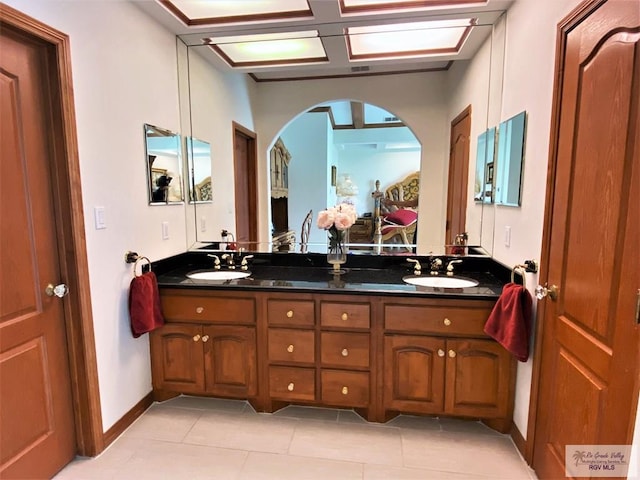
(337, 249)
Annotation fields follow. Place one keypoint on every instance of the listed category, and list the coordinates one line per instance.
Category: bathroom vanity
(364, 340)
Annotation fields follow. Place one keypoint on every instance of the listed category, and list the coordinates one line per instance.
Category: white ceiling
(325, 17)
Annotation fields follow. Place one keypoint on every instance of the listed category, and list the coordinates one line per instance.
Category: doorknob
(59, 290)
(551, 291)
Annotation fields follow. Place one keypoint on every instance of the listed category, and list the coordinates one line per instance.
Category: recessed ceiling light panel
(387, 6)
(417, 39)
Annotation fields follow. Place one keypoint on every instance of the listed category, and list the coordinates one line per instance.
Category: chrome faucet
(417, 269)
(216, 261)
(450, 266)
(230, 260)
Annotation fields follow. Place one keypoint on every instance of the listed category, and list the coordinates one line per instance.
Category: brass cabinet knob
(290, 348)
(290, 314)
(452, 354)
(205, 338)
(290, 387)
(447, 322)
(199, 309)
(345, 390)
(345, 316)
(440, 352)
(196, 338)
(345, 352)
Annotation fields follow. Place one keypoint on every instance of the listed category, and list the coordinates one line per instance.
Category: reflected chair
(304, 233)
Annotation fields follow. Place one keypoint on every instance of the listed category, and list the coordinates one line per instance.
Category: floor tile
(349, 416)
(415, 422)
(356, 443)
(253, 432)
(466, 426)
(164, 423)
(269, 466)
(309, 413)
(205, 403)
(384, 472)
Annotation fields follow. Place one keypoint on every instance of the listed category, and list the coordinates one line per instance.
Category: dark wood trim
(465, 113)
(127, 419)
(350, 75)
(262, 17)
(563, 29)
(519, 441)
(252, 173)
(70, 225)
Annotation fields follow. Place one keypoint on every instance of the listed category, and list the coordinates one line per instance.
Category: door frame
(451, 180)
(566, 25)
(251, 167)
(69, 220)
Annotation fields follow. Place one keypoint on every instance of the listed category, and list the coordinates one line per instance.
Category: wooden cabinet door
(477, 378)
(230, 360)
(414, 373)
(176, 358)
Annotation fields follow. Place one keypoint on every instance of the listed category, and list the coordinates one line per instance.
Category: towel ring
(522, 271)
(135, 265)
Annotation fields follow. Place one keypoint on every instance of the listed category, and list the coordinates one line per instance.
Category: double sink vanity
(379, 338)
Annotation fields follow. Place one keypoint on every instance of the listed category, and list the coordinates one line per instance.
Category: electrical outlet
(507, 236)
(203, 224)
(165, 230)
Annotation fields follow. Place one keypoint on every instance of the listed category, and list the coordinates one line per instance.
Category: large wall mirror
(199, 165)
(164, 166)
(303, 120)
(509, 163)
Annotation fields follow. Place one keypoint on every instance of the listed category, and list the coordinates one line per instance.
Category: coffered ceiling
(275, 40)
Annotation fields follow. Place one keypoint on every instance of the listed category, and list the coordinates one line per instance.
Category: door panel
(458, 173)
(245, 172)
(589, 350)
(36, 412)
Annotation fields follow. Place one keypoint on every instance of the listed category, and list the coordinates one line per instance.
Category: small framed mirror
(485, 156)
(199, 161)
(164, 166)
(511, 137)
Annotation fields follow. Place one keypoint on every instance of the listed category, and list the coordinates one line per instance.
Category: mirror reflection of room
(164, 163)
(199, 161)
(325, 146)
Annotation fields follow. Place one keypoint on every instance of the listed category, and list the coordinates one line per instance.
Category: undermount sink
(218, 275)
(440, 282)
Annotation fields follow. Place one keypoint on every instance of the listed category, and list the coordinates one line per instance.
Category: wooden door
(37, 435)
(414, 373)
(477, 379)
(458, 173)
(230, 360)
(589, 361)
(177, 358)
(245, 174)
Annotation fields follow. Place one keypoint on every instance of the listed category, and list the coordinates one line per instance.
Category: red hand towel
(144, 304)
(510, 320)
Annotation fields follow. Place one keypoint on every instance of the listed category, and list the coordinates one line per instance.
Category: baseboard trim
(127, 419)
(520, 442)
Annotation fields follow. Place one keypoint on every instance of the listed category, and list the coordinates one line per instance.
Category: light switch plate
(100, 220)
(165, 230)
(507, 236)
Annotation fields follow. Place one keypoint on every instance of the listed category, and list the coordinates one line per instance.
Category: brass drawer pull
(440, 352)
(199, 309)
(447, 322)
(290, 314)
(196, 338)
(452, 354)
(290, 348)
(345, 352)
(345, 390)
(291, 386)
(345, 316)
(205, 338)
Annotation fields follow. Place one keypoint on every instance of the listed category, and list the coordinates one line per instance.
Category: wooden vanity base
(378, 355)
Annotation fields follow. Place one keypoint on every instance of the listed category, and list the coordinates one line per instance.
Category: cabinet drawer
(345, 349)
(446, 320)
(344, 315)
(208, 309)
(290, 312)
(288, 345)
(345, 388)
(292, 383)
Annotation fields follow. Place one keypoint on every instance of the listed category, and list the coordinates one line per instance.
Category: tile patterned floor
(200, 438)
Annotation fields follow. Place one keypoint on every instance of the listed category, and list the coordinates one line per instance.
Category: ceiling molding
(407, 5)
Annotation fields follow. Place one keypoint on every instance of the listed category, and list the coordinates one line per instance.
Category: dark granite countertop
(310, 273)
